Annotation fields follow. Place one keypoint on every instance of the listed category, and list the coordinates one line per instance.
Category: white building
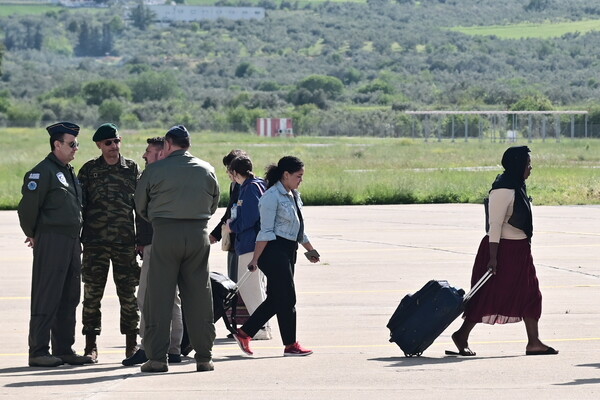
(179, 13)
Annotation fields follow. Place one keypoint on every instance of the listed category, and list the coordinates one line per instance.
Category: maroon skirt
(510, 295)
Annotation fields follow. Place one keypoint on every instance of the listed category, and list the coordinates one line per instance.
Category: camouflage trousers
(126, 275)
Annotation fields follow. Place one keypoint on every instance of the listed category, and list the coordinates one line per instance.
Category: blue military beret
(63, 127)
(105, 131)
(178, 131)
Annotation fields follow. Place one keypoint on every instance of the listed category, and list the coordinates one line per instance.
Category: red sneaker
(243, 341)
(296, 350)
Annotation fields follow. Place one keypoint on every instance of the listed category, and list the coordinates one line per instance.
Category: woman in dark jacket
(245, 226)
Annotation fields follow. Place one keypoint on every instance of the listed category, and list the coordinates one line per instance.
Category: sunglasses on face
(110, 142)
(72, 144)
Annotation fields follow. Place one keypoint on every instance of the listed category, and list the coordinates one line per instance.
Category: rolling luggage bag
(224, 292)
(423, 316)
(238, 313)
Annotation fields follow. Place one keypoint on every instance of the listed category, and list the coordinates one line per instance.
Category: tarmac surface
(371, 257)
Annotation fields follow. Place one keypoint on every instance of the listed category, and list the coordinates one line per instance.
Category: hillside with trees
(336, 68)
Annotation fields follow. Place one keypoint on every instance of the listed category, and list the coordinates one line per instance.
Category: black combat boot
(130, 344)
(91, 349)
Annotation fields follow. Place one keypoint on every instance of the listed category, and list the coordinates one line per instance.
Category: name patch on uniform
(32, 185)
(34, 175)
(62, 179)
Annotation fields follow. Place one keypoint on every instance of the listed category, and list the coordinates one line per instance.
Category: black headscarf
(515, 161)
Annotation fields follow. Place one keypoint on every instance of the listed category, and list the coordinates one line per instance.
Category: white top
(500, 210)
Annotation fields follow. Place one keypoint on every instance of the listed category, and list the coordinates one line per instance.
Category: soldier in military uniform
(178, 195)
(50, 216)
(144, 233)
(108, 184)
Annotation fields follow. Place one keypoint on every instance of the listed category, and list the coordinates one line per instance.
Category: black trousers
(55, 293)
(277, 263)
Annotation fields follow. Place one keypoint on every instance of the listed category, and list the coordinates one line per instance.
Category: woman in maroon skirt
(512, 294)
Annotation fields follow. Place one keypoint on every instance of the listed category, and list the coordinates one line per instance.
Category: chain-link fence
(501, 125)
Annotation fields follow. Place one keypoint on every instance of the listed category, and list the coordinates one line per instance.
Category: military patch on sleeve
(32, 185)
(34, 175)
(62, 179)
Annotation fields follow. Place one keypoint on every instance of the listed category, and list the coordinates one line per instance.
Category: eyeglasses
(72, 144)
(110, 142)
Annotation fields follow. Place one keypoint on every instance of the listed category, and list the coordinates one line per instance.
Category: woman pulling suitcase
(513, 294)
(281, 229)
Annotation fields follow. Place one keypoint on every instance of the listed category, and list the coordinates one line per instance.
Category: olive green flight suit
(178, 195)
(50, 212)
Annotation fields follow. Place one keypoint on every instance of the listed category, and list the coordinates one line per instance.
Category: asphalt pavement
(371, 257)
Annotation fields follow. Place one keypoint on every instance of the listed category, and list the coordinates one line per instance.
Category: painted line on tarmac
(413, 290)
(353, 346)
(572, 233)
(359, 346)
(342, 291)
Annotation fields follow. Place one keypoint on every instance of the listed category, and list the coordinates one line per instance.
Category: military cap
(178, 131)
(105, 131)
(63, 127)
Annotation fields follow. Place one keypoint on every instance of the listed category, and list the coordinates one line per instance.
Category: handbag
(225, 239)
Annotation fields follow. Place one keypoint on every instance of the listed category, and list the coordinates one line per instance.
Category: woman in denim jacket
(281, 229)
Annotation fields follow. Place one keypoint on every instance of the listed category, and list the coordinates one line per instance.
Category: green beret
(63, 127)
(105, 131)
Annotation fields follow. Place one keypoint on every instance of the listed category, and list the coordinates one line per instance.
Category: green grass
(10, 8)
(354, 170)
(254, 3)
(530, 30)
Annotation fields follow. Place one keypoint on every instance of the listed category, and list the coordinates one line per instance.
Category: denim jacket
(247, 221)
(278, 216)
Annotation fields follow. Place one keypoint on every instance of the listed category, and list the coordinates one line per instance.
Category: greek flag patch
(34, 175)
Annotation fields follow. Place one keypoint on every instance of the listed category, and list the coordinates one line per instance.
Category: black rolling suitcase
(224, 292)
(423, 316)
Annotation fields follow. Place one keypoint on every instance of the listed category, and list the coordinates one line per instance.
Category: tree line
(335, 68)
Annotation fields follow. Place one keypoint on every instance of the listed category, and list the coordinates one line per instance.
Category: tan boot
(130, 344)
(91, 349)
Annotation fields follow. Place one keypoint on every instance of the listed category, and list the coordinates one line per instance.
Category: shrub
(98, 91)
(152, 85)
(331, 86)
(111, 110)
(130, 121)
(24, 114)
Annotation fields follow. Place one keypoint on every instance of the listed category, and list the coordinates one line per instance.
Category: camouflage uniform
(109, 235)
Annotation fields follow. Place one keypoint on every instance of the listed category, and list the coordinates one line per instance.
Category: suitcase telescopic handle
(239, 284)
(488, 274)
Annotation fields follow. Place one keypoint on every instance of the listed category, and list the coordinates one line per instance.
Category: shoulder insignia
(62, 179)
(32, 185)
(34, 175)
